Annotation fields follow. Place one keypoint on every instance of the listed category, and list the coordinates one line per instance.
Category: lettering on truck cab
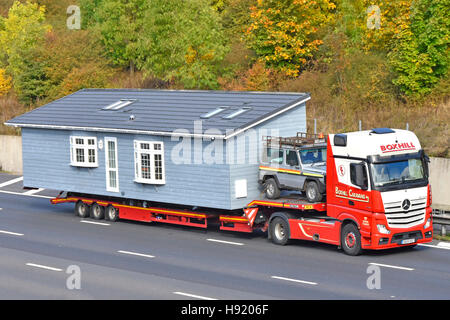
(397, 147)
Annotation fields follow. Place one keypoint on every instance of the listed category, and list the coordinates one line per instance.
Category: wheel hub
(350, 240)
(279, 231)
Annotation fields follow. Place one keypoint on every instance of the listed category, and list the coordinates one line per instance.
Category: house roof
(160, 112)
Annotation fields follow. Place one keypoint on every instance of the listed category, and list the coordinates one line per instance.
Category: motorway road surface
(46, 252)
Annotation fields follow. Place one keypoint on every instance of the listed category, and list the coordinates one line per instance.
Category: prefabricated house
(193, 148)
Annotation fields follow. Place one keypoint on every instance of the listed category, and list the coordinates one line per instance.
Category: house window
(83, 151)
(149, 162)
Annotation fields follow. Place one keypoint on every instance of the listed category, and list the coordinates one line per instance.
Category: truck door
(291, 174)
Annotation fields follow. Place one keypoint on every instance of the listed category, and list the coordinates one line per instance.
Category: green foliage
(120, 25)
(350, 20)
(21, 38)
(89, 12)
(185, 41)
(236, 17)
(420, 55)
(172, 40)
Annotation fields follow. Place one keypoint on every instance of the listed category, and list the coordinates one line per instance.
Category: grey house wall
(46, 158)
(46, 164)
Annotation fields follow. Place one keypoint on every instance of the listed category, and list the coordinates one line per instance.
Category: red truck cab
(377, 187)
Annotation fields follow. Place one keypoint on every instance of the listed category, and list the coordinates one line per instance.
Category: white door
(111, 164)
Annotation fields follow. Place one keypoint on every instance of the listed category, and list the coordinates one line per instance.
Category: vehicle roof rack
(300, 140)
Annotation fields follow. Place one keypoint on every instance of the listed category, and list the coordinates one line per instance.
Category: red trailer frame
(229, 222)
(297, 219)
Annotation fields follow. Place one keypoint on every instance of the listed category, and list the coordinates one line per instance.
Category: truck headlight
(427, 224)
(382, 229)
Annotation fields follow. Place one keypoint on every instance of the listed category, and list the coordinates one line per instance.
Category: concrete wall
(11, 154)
(440, 183)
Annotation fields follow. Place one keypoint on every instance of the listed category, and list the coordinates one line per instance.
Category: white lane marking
(136, 254)
(294, 280)
(444, 245)
(438, 246)
(11, 233)
(226, 242)
(7, 183)
(43, 267)
(27, 195)
(390, 266)
(93, 222)
(33, 191)
(193, 296)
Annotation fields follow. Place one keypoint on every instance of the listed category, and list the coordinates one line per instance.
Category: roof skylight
(213, 113)
(237, 113)
(119, 104)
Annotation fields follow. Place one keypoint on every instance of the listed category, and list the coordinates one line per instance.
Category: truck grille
(397, 217)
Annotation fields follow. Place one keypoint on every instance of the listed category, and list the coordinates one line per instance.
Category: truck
(374, 194)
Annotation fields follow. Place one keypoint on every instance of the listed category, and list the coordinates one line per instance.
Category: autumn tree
(385, 20)
(22, 34)
(74, 59)
(5, 82)
(284, 33)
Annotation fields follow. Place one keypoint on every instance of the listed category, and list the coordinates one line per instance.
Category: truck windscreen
(398, 173)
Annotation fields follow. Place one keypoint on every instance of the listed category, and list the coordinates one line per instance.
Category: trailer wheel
(97, 211)
(272, 190)
(351, 240)
(82, 209)
(279, 231)
(111, 213)
(312, 192)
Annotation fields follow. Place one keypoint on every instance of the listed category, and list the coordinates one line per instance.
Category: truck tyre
(272, 190)
(97, 211)
(82, 209)
(279, 231)
(312, 192)
(111, 213)
(351, 240)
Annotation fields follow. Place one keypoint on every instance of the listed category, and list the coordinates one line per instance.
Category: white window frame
(151, 151)
(108, 169)
(86, 147)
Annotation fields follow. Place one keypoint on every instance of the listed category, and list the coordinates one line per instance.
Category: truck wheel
(82, 209)
(111, 213)
(279, 231)
(351, 240)
(97, 211)
(272, 190)
(312, 192)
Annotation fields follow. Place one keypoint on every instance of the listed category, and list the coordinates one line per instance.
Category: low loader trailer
(377, 197)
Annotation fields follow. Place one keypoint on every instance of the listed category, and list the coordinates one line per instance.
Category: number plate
(407, 241)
